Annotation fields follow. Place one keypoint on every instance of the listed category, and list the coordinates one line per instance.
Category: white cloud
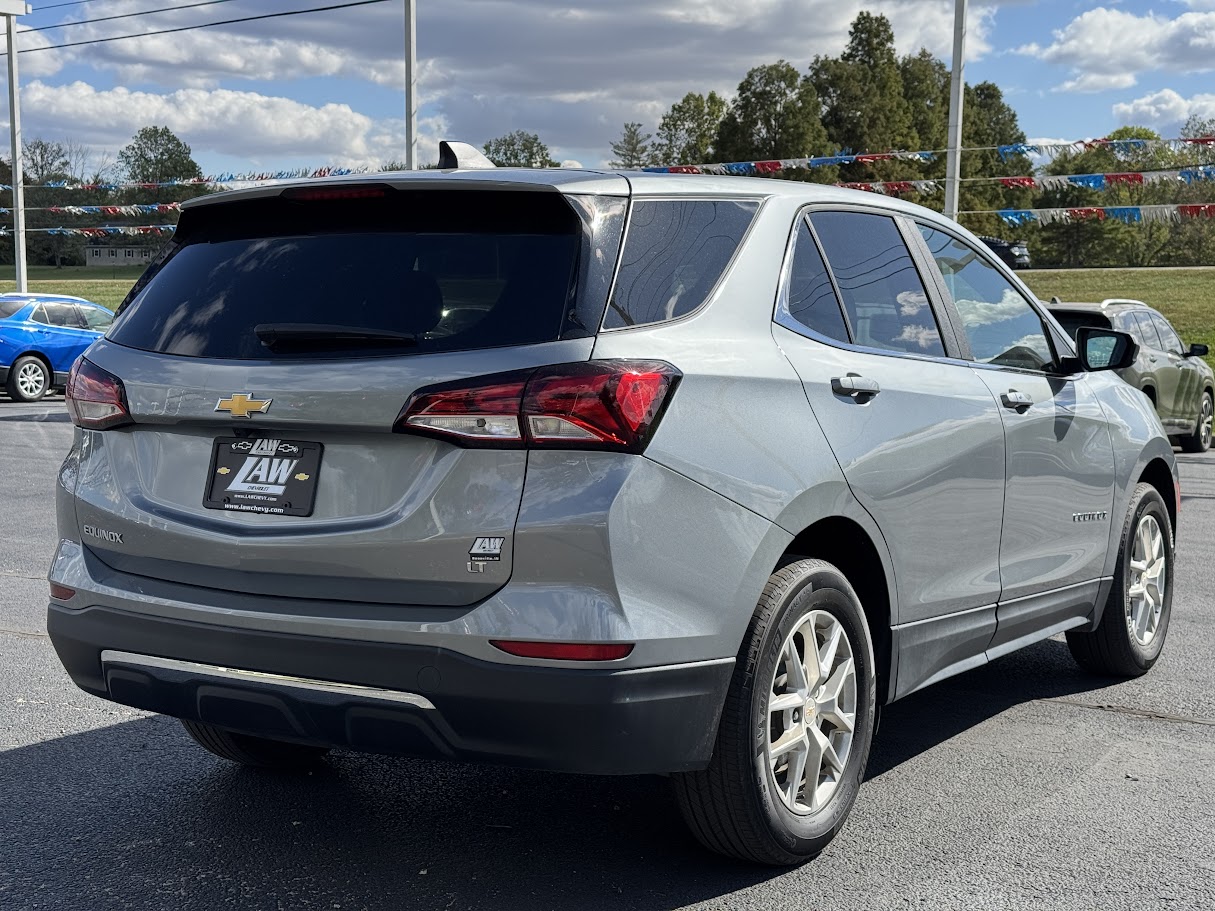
(237, 124)
(1107, 48)
(1164, 110)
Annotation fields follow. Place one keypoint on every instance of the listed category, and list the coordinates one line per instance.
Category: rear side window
(809, 299)
(1171, 341)
(675, 253)
(437, 270)
(98, 320)
(1150, 337)
(9, 307)
(883, 294)
(65, 315)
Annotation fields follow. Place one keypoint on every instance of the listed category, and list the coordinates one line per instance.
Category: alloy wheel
(1147, 580)
(31, 380)
(1204, 421)
(811, 710)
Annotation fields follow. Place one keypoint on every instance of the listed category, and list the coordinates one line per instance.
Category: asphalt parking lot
(1021, 784)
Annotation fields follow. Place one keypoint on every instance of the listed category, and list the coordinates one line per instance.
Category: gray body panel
(968, 504)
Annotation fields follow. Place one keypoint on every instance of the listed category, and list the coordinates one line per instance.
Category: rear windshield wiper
(319, 335)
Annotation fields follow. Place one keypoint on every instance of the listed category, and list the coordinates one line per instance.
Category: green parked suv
(1176, 378)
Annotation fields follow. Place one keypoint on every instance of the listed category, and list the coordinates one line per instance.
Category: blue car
(41, 335)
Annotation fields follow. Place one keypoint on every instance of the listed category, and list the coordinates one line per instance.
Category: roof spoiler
(453, 155)
(1120, 300)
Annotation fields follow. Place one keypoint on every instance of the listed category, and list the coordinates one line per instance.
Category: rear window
(675, 253)
(1073, 320)
(448, 270)
(9, 307)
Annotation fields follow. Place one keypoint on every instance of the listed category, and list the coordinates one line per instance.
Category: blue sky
(327, 88)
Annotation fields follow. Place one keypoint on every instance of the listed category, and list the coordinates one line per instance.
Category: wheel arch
(1157, 473)
(848, 546)
(1150, 391)
(46, 362)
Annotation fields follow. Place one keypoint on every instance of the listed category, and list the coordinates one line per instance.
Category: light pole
(957, 93)
(11, 9)
(411, 86)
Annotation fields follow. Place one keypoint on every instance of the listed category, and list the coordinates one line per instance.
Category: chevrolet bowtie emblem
(242, 405)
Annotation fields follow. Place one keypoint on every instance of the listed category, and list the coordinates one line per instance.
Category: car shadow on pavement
(133, 815)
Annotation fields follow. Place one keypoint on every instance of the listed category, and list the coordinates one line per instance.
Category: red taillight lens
(595, 405)
(62, 592)
(565, 651)
(96, 399)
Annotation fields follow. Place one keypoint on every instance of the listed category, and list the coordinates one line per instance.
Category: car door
(1060, 459)
(915, 431)
(1164, 379)
(1187, 384)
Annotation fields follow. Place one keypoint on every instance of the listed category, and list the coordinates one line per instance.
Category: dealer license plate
(276, 477)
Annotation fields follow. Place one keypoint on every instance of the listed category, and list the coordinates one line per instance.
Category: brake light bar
(318, 194)
(609, 404)
(96, 399)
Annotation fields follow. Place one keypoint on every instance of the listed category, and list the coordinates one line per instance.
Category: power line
(59, 5)
(146, 12)
(190, 28)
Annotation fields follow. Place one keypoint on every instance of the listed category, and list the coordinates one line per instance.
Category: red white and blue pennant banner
(107, 231)
(1129, 214)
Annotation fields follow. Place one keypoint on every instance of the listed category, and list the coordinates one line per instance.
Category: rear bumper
(396, 698)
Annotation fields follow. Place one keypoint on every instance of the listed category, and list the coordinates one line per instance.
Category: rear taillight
(593, 405)
(96, 399)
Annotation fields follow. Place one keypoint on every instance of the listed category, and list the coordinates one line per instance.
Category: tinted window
(808, 298)
(1000, 324)
(97, 320)
(9, 307)
(1150, 337)
(1071, 320)
(38, 315)
(1170, 339)
(883, 295)
(64, 315)
(455, 271)
(674, 253)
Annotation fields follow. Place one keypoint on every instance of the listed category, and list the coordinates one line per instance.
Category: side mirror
(1105, 349)
(1197, 350)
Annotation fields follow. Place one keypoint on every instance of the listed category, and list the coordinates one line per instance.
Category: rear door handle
(855, 385)
(1015, 401)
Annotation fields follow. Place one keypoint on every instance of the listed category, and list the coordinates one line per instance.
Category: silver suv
(598, 472)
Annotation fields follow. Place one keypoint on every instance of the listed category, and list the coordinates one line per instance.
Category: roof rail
(454, 155)
(1121, 300)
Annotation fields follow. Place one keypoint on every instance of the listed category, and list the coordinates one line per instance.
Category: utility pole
(957, 93)
(11, 9)
(411, 86)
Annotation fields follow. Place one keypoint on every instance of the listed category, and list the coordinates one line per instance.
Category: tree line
(869, 99)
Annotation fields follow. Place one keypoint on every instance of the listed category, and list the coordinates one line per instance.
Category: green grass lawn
(1185, 296)
(106, 285)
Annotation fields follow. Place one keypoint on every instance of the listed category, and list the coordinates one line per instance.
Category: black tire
(253, 751)
(1112, 649)
(1200, 439)
(27, 364)
(732, 806)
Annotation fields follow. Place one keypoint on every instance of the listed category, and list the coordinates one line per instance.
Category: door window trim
(1048, 330)
(945, 327)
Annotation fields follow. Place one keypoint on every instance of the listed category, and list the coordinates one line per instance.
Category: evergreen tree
(632, 150)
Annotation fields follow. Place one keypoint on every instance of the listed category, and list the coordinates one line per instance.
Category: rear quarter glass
(450, 270)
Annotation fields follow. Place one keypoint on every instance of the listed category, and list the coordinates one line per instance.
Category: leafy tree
(926, 90)
(156, 155)
(632, 150)
(519, 150)
(863, 105)
(774, 115)
(43, 160)
(687, 130)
